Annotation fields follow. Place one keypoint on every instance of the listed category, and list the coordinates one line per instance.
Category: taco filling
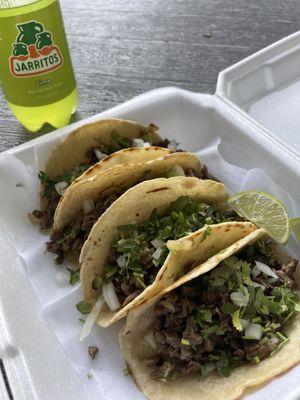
(71, 239)
(233, 315)
(54, 188)
(140, 250)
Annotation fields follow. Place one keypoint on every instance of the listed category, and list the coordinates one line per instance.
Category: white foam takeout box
(256, 106)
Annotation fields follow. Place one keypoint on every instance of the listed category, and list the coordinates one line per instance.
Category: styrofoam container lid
(265, 88)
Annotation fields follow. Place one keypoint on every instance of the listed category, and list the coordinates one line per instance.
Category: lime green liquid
(57, 114)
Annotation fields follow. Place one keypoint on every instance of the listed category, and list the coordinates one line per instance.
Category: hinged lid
(265, 88)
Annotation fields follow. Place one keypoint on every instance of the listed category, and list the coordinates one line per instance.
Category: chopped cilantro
(185, 204)
(206, 233)
(109, 273)
(140, 260)
(279, 347)
(49, 183)
(203, 314)
(228, 308)
(215, 329)
(224, 370)
(202, 372)
(74, 276)
(236, 322)
(83, 307)
(147, 138)
(246, 274)
(122, 141)
(97, 282)
(126, 228)
(126, 371)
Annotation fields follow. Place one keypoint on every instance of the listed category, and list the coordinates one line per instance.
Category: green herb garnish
(133, 243)
(126, 371)
(49, 183)
(147, 138)
(97, 282)
(206, 233)
(74, 276)
(123, 142)
(83, 307)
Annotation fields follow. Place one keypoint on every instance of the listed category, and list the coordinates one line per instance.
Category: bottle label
(35, 65)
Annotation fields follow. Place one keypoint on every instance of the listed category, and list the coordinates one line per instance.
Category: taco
(91, 145)
(126, 258)
(230, 324)
(85, 201)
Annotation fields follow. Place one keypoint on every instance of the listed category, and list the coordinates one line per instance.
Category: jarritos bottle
(36, 72)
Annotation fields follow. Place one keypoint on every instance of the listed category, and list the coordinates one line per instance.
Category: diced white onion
(140, 143)
(265, 269)
(255, 272)
(99, 154)
(241, 297)
(254, 331)
(157, 243)
(121, 261)
(88, 206)
(173, 145)
(61, 187)
(156, 255)
(244, 323)
(255, 284)
(62, 277)
(91, 319)
(274, 340)
(150, 340)
(110, 296)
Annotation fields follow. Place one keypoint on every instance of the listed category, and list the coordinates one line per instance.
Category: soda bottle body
(36, 72)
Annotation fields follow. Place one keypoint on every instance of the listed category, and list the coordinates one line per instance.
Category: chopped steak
(72, 238)
(198, 325)
(93, 351)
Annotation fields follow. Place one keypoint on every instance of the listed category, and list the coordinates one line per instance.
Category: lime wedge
(295, 225)
(264, 211)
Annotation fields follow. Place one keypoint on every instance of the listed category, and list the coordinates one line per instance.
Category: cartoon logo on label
(34, 52)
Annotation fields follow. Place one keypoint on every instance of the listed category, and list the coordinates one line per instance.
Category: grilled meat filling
(233, 315)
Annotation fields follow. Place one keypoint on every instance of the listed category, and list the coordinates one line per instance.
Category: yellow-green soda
(36, 72)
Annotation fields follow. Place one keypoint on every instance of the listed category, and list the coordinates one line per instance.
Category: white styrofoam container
(256, 105)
